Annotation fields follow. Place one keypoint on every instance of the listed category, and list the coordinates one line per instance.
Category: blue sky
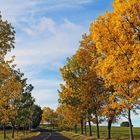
(47, 32)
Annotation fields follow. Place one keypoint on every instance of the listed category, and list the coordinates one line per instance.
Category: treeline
(17, 106)
(102, 79)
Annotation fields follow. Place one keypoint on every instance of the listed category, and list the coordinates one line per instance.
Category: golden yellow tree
(10, 91)
(116, 35)
(70, 93)
(7, 78)
(83, 89)
(68, 117)
(11, 86)
(49, 116)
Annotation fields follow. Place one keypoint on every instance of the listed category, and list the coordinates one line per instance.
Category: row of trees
(17, 106)
(102, 79)
(50, 118)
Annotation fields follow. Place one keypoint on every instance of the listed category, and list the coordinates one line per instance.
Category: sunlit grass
(117, 133)
(18, 136)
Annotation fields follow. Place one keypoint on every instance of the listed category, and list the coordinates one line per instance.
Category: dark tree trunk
(17, 130)
(130, 125)
(13, 131)
(30, 126)
(109, 129)
(89, 123)
(75, 127)
(4, 132)
(24, 130)
(52, 125)
(82, 127)
(97, 126)
(85, 128)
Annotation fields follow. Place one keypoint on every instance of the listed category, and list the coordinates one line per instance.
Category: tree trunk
(85, 127)
(130, 125)
(53, 126)
(17, 130)
(109, 129)
(13, 131)
(24, 130)
(97, 126)
(4, 132)
(30, 127)
(82, 126)
(75, 127)
(89, 123)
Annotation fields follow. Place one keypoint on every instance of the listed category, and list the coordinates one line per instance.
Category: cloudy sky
(47, 32)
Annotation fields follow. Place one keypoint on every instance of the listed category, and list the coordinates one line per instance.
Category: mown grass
(117, 133)
(19, 136)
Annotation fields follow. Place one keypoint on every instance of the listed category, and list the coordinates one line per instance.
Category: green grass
(20, 135)
(117, 133)
(74, 136)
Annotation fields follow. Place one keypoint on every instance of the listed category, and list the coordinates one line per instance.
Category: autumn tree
(16, 101)
(70, 93)
(49, 116)
(111, 109)
(69, 107)
(8, 93)
(105, 69)
(116, 35)
(68, 117)
(36, 116)
(93, 90)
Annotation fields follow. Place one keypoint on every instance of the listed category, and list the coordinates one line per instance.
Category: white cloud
(46, 97)
(42, 44)
(47, 23)
(84, 1)
(16, 8)
(47, 83)
(29, 31)
(48, 49)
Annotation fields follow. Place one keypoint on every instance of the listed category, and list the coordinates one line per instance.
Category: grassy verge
(19, 136)
(74, 136)
(118, 133)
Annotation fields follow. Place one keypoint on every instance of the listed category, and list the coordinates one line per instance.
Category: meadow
(117, 133)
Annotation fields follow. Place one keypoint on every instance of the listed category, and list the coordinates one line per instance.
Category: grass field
(20, 135)
(117, 133)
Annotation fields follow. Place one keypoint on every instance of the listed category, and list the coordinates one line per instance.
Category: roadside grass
(19, 136)
(117, 133)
